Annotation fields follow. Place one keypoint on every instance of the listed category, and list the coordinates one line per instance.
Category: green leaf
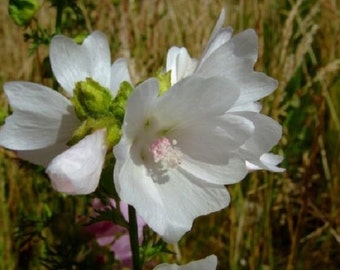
(22, 11)
(110, 214)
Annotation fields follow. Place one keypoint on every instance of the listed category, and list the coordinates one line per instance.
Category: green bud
(119, 102)
(80, 38)
(91, 100)
(22, 11)
(164, 82)
(96, 109)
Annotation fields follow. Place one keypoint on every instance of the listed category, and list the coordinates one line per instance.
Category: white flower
(208, 263)
(178, 150)
(43, 120)
(234, 58)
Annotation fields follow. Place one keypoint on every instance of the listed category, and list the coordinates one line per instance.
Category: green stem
(134, 243)
(58, 21)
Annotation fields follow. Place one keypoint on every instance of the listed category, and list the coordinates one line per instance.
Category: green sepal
(118, 104)
(164, 80)
(90, 125)
(91, 100)
(22, 11)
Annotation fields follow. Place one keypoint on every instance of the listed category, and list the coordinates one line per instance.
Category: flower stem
(134, 243)
(58, 22)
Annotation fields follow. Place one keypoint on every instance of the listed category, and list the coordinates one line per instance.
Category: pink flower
(108, 233)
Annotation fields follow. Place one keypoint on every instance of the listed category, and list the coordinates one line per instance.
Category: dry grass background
(275, 221)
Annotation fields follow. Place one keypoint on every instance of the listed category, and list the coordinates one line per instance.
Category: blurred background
(287, 220)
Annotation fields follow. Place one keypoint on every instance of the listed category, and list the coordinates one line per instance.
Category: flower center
(166, 153)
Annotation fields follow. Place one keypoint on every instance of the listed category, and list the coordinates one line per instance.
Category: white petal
(168, 202)
(218, 25)
(267, 133)
(253, 86)
(139, 105)
(72, 63)
(133, 184)
(249, 107)
(208, 263)
(213, 140)
(242, 46)
(206, 97)
(180, 63)
(184, 198)
(232, 172)
(98, 51)
(267, 161)
(41, 117)
(235, 60)
(245, 45)
(119, 74)
(78, 169)
(216, 42)
(271, 160)
(43, 156)
(131, 177)
(218, 37)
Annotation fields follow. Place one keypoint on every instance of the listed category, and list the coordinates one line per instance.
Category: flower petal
(72, 63)
(180, 64)
(77, 170)
(267, 161)
(249, 107)
(267, 133)
(185, 198)
(218, 37)
(254, 86)
(133, 184)
(206, 97)
(208, 263)
(139, 105)
(129, 168)
(41, 117)
(167, 203)
(119, 74)
(43, 156)
(233, 171)
(235, 60)
(213, 140)
(242, 46)
(122, 250)
(217, 41)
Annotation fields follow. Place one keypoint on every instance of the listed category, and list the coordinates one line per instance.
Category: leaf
(22, 11)
(109, 214)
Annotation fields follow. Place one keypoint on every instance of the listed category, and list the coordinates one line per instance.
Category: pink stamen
(165, 152)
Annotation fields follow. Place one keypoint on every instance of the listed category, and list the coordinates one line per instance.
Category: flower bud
(91, 99)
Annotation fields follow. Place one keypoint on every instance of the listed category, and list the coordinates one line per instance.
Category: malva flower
(178, 150)
(44, 121)
(208, 263)
(115, 236)
(233, 57)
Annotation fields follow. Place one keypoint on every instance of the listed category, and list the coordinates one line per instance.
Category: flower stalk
(133, 232)
(59, 16)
